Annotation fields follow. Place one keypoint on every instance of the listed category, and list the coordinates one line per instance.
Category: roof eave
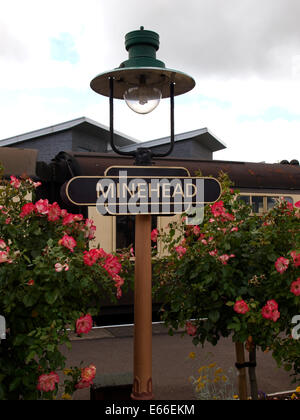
(211, 142)
(58, 128)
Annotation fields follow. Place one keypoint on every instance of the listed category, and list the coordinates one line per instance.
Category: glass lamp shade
(142, 99)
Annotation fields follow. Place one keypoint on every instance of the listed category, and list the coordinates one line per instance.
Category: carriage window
(245, 198)
(257, 204)
(126, 230)
(289, 200)
(271, 201)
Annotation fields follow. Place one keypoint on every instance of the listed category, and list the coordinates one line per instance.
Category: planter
(284, 395)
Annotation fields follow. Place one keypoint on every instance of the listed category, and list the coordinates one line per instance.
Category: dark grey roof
(82, 121)
(203, 135)
(126, 143)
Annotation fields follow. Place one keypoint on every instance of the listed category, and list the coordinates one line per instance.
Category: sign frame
(144, 178)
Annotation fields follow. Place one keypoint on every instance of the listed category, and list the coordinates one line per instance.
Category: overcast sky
(243, 54)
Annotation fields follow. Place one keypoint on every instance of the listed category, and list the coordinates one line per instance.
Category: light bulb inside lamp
(142, 99)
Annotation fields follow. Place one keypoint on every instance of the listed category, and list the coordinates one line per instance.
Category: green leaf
(14, 384)
(213, 316)
(50, 347)
(19, 340)
(30, 356)
(234, 326)
(51, 296)
(26, 258)
(29, 300)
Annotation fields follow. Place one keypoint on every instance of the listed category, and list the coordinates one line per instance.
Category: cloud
(11, 47)
(213, 37)
(243, 55)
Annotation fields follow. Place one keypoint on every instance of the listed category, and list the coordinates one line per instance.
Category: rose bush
(50, 283)
(237, 274)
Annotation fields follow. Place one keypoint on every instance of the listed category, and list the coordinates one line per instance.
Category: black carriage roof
(246, 175)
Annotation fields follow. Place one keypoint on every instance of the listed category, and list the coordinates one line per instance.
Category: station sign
(143, 190)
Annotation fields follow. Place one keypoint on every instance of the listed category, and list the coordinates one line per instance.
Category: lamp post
(142, 81)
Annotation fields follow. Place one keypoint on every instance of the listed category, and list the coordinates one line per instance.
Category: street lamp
(142, 81)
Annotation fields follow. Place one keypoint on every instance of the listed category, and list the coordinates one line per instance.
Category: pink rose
(181, 250)
(281, 264)
(4, 257)
(295, 287)
(15, 182)
(270, 310)
(47, 383)
(90, 257)
(191, 329)
(296, 258)
(213, 253)
(27, 209)
(112, 265)
(241, 307)
(266, 312)
(54, 212)
(84, 324)
(88, 373)
(82, 384)
(42, 206)
(58, 267)
(87, 376)
(154, 235)
(90, 229)
(228, 216)
(272, 304)
(275, 315)
(217, 209)
(68, 242)
(71, 218)
(224, 258)
(119, 281)
(196, 230)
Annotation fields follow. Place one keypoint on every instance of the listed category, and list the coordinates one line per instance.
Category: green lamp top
(142, 62)
(142, 46)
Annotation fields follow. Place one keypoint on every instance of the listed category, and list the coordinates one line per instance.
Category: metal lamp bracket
(142, 155)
